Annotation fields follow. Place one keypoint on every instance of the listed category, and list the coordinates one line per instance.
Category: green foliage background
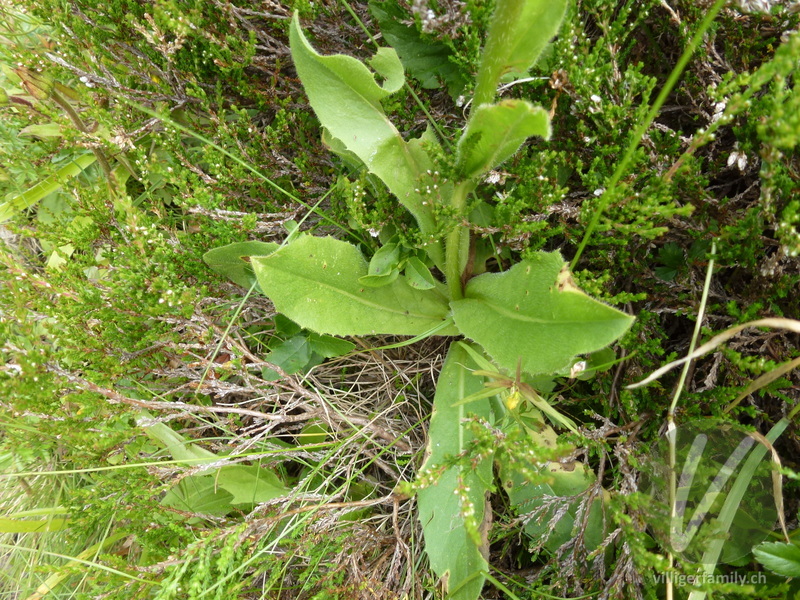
(106, 305)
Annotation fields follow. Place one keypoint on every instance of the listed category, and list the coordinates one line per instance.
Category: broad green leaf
(455, 547)
(495, 132)
(250, 484)
(379, 280)
(384, 260)
(534, 312)
(213, 491)
(315, 282)
(233, 260)
(199, 494)
(532, 495)
(779, 557)
(292, 355)
(383, 266)
(336, 146)
(387, 65)
(566, 482)
(45, 187)
(284, 326)
(346, 98)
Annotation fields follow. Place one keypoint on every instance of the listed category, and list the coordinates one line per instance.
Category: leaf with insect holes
(346, 98)
(495, 133)
(456, 546)
(315, 282)
(534, 313)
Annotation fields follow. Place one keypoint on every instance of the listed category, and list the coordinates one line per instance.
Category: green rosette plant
(530, 318)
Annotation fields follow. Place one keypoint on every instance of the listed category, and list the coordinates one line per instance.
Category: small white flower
(578, 368)
(738, 158)
(493, 177)
(599, 192)
(753, 6)
(719, 108)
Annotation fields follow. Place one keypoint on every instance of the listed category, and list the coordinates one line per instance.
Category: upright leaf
(519, 31)
(346, 98)
(315, 282)
(455, 554)
(534, 313)
(537, 25)
(495, 132)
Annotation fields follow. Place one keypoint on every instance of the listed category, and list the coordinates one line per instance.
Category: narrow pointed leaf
(454, 553)
(315, 282)
(45, 187)
(233, 260)
(495, 133)
(32, 526)
(534, 313)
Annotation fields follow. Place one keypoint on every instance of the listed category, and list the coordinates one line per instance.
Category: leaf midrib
(520, 316)
(360, 299)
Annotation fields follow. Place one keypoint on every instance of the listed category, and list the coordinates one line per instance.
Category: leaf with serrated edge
(453, 553)
(534, 312)
(314, 282)
(425, 59)
(779, 557)
(495, 132)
